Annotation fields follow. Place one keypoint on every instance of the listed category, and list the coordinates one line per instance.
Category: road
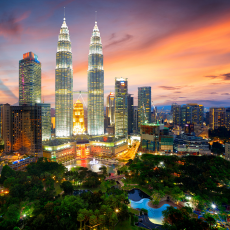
(130, 153)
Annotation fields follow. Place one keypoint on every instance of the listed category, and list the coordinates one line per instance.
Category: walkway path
(162, 203)
(147, 223)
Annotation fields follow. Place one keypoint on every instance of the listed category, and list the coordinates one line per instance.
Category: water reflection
(137, 195)
(86, 163)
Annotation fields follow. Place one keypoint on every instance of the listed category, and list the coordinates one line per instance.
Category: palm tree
(210, 220)
(80, 218)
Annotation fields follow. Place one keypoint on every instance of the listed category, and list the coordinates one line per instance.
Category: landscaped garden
(46, 196)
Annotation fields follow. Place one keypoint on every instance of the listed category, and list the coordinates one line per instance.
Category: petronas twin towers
(64, 85)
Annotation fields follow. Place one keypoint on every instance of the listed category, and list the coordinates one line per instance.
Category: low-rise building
(155, 137)
(107, 145)
(16, 162)
(59, 150)
(186, 143)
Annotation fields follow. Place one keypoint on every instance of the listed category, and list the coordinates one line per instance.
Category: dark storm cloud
(177, 92)
(182, 97)
(6, 90)
(116, 42)
(225, 94)
(213, 93)
(169, 87)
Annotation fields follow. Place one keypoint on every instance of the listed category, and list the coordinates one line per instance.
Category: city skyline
(184, 57)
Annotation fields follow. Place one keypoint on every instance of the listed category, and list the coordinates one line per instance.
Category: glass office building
(29, 79)
(121, 107)
(64, 85)
(46, 121)
(95, 85)
(110, 107)
(144, 105)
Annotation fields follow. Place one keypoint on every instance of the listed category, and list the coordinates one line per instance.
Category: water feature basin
(154, 214)
(137, 194)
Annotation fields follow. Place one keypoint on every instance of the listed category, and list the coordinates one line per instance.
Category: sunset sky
(181, 48)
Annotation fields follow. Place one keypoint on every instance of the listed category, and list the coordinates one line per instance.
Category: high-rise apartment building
(135, 119)
(78, 118)
(22, 129)
(95, 85)
(144, 105)
(110, 108)
(197, 113)
(176, 113)
(187, 114)
(64, 85)
(121, 107)
(29, 79)
(227, 118)
(130, 113)
(1, 121)
(217, 117)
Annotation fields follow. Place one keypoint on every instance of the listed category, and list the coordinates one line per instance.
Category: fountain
(94, 162)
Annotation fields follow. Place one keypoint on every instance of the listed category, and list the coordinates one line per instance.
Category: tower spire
(95, 16)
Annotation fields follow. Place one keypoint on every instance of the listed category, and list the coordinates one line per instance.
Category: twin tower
(64, 85)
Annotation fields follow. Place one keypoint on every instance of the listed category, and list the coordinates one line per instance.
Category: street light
(117, 210)
(213, 206)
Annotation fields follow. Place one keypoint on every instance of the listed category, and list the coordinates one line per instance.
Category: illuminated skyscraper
(110, 107)
(130, 113)
(78, 118)
(29, 79)
(46, 121)
(64, 85)
(144, 105)
(95, 85)
(121, 107)
(217, 117)
(176, 113)
(22, 129)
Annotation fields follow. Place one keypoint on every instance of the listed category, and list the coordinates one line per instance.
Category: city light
(213, 206)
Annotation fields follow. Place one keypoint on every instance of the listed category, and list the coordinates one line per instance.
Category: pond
(93, 167)
(137, 195)
(80, 191)
(155, 214)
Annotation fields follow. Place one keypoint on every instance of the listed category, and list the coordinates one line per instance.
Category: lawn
(103, 187)
(129, 187)
(134, 211)
(57, 188)
(125, 225)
